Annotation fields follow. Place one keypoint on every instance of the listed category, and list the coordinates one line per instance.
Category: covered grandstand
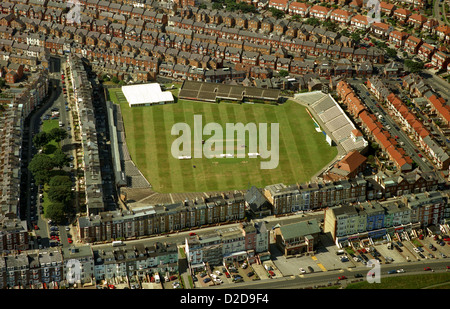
(212, 92)
(334, 119)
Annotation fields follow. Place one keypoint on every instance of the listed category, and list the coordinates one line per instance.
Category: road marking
(321, 267)
(314, 258)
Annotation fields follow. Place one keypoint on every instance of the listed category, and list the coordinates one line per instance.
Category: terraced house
(140, 259)
(161, 219)
(377, 219)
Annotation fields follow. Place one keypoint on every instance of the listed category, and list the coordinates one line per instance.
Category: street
(325, 278)
(56, 100)
(374, 107)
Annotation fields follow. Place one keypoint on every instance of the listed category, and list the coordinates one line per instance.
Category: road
(437, 84)
(372, 105)
(437, 9)
(56, 99)
(34, 128)
(324, 278)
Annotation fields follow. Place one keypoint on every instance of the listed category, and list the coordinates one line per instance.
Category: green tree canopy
(40, 162)
(313, 21)
(60, 159)
(42, 177)
(61, 194)
(56, 212)
(391, 52)
(414, 66)
(277, 13)
(40, 139)
(58, 134)
(60, 180)
(283, 73)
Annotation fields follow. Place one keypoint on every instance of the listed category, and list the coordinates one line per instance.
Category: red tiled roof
(385, 5)
(417, 17)
(299, 6)
(402, 11)
(351, 162)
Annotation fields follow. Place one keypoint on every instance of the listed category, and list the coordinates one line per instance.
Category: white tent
(146, 94)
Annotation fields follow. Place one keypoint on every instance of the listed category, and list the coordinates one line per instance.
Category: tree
(296, 17)
(58, 134)
(41, 177)
(56, 212)
(60, 180)
(60, 159)
(414, 66)
(330, 26)
(217, 6)
(61, 194)
(345, 32)
(313, 21)
(355, 37)
(283, 73)
(391, 52)
(40, 139)
(40, 162)
(277, 13)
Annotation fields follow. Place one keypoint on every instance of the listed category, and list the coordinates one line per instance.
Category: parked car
(206, 280)
(238, 279)
(250, 274)
(342, 278)
(358, 276)
(392, 272)
(427, 268)
(302, 271)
